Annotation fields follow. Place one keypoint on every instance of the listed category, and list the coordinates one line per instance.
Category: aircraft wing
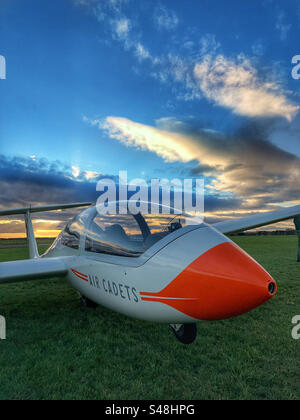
(26, 211)
(42, 268)
(257, 220)
(36, 267)
(42, 209)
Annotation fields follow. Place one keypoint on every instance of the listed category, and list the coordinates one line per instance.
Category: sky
(162, 89)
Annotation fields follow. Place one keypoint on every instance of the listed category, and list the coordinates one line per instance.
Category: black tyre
(186, 334)
(87, 303)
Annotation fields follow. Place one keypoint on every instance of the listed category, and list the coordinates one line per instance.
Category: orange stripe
(223, 282)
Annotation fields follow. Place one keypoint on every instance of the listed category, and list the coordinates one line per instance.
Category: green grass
(55, 349)
(43, 241)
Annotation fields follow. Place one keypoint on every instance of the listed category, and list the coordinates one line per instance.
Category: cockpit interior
(128, 235)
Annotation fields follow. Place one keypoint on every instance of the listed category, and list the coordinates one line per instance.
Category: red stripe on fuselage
(80, 275)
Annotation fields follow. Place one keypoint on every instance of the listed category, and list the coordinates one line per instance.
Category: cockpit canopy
(128, 235)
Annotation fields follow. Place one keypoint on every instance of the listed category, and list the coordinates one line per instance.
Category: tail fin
(32, 245)
(33, 249)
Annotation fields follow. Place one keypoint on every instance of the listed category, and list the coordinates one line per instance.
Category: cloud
(165, 19)
(14, 228)
(75, 171)
(258, 48)
(244, 172)
(84, 2)
(101, 8)
(91, 175)
(281, 26)
(245, 164)
(193, 65)
(121, 28)
(235, 84)
(170, 146)
(26, 182)
(141, 52)
(209, 44)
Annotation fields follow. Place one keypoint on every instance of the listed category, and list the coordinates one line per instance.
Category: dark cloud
(244, 170)
(216, 203)
(246, 163)
(25, 182)
(33, 182)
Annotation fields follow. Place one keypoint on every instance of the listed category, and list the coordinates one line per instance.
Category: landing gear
(87, 303)
(185, 333)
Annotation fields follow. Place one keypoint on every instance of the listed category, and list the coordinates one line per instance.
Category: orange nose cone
(222, 283)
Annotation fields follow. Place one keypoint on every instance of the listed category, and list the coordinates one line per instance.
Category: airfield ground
(55, 349)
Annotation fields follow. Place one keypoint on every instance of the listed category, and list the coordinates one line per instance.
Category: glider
(155, 268)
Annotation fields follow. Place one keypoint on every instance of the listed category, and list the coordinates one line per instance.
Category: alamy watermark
(2, 67)
(296, 329)
(2, 328)
(296, 68)
(155, 196)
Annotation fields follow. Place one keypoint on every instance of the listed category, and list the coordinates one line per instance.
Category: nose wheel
(185, 333)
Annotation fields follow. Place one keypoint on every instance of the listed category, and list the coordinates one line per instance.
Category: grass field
(40, 241)
(55, 349)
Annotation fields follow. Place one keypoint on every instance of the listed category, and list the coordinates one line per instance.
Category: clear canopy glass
(128, 235)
